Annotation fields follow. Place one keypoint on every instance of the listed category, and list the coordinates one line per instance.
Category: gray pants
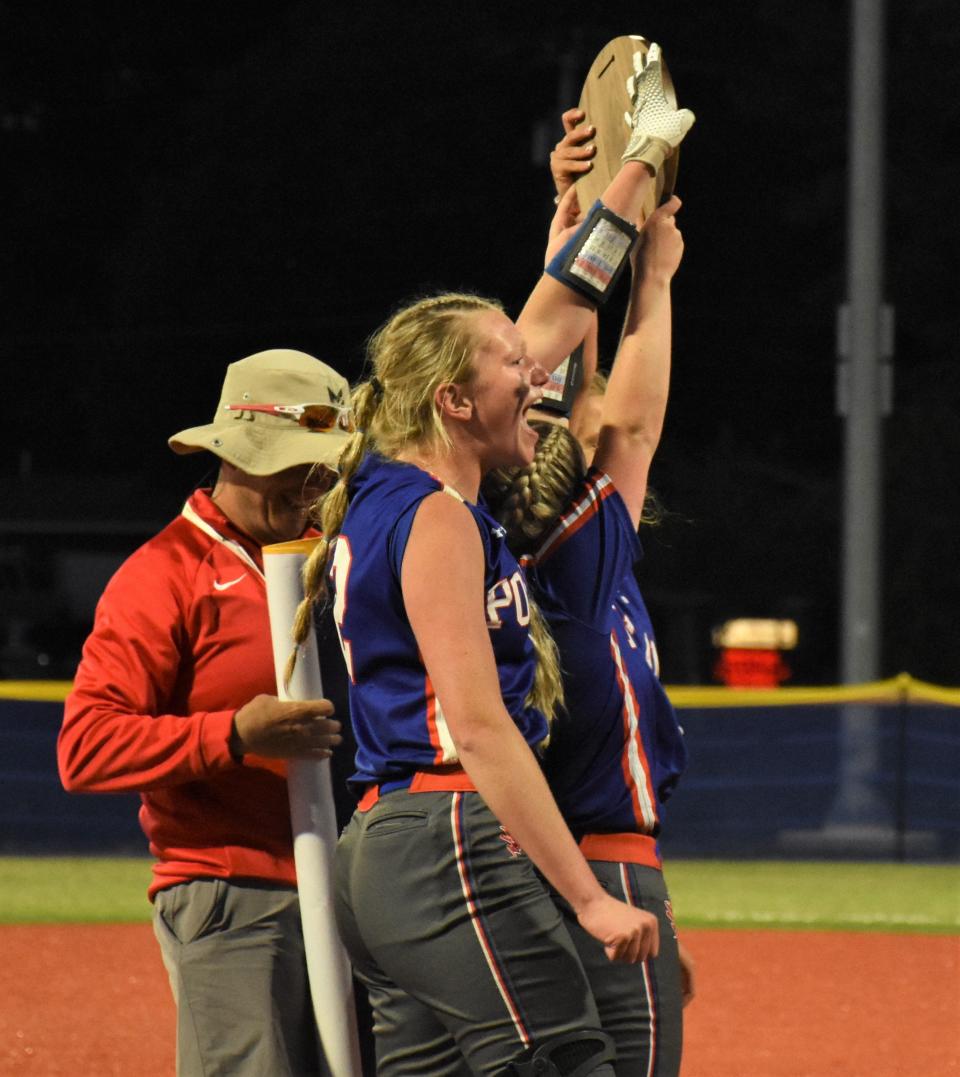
(234, 955)
(641, 1005)
(461, 949)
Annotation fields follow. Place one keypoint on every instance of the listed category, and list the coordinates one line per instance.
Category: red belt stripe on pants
(451, 779)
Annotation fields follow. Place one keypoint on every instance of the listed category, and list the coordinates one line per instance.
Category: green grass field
(706, 893)
(839, 896)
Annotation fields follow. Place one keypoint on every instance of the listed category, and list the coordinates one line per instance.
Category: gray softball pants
(234, 955)
(641, 1006)
(464, 954)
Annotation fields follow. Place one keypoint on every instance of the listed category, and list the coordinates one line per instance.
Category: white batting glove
(658, 128)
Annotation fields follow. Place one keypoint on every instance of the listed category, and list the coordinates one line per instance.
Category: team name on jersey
(650, 654)
(510, 592)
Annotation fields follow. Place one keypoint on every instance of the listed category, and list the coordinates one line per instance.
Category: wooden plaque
(606, 101)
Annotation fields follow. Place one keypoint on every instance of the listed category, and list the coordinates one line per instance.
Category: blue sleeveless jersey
(617, 753)
(397, 719)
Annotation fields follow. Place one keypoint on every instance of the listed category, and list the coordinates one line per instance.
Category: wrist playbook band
(563, 385)
(593, 259)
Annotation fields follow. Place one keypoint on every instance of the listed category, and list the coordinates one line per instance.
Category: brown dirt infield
(91, 1001)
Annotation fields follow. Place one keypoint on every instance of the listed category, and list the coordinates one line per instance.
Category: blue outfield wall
(36, 814)
(868, 771)
(770, 782)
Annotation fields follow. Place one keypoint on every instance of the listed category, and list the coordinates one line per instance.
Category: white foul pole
(314, 821)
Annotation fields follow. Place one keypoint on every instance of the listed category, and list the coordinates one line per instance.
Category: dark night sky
(184, 184)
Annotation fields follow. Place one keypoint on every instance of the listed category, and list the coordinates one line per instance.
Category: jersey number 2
(340, 573)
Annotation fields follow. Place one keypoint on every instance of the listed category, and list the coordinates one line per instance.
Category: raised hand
(658, 127)
(661, 246)
(572, 155)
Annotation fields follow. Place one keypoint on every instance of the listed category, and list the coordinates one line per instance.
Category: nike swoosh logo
(224, 586)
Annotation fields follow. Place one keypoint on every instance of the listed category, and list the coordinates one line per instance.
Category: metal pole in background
(860, 656)
(863, 398)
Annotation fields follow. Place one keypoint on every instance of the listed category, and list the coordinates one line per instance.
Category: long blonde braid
(328, 511)
(527, 501)
(546, 693)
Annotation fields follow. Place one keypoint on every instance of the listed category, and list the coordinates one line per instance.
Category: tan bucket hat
(263, 444)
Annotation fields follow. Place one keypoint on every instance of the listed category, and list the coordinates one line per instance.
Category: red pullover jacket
(180, 642)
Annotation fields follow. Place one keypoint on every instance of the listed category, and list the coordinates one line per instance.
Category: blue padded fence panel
(36, 815)
(758, 775)
(755, 774)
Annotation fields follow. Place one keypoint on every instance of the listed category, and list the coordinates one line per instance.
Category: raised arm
(446, 613)
(556, 316)
(591, 356)
(636, 399)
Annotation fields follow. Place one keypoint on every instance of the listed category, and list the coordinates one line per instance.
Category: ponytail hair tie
(377, 388)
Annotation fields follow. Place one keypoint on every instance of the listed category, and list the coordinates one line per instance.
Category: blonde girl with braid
(427, 325)
(616, 750)
(453, 683)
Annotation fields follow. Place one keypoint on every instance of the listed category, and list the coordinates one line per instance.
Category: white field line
(732, 916)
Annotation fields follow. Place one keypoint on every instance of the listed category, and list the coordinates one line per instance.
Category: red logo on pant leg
(508, 839)
(668, 909)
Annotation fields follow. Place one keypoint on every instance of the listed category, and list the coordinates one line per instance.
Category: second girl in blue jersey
(617, 751)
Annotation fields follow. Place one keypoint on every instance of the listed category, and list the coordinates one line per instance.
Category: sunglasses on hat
(315, 417)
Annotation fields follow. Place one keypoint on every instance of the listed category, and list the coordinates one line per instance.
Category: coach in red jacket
(174, 699)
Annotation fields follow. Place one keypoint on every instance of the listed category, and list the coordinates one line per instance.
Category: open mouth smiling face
(507, 385)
